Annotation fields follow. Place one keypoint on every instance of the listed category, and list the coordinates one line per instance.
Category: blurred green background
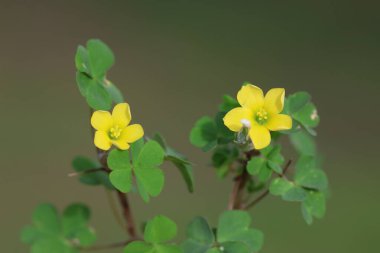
(175, 59)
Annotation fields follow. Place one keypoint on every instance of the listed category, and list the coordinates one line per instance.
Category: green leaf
(303, 143)
(82, 164)
(315, 204)
(138, 247)
(255, 165)
(265, 174)
(119, 160)
(50, 245)
(307, 116)
(232, 247)
(98, 98)
(30, 234)
(234, 227)
(200, 237)
(150, 179)
(306, 162)
(275, 167)
(100, 57)
(151, 155)
(280, 186)
(122, 180)
(75, 217)
(136, 149)
(159, 248)
(86, 236)
(204, 134)
(297, 101)
(228, 104)
(113, 91)
(187, 174)
(160, 229)
(178, 160)
(295, 193)
(45, 218)
(313, 178)
(121, 176)
(50, 233)
(157, 232)
(81, 60)
(84, 82)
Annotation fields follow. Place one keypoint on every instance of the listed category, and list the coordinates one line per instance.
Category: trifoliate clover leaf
(51, 233)
(92, 63)
(84, 165)
(146, 159)
(313, 206)
(270, 161)
(158, 232)
(204, 134)
(234, 226)
(179, 161)
(233, 235)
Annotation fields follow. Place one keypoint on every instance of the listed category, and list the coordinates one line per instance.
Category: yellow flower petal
(260, 136)
(101, 120)
(132, 133)
(279, 122)
(121, 144)
(233, 119)
(102, 140)
(250, 96)
(121, 115)
(274, 100)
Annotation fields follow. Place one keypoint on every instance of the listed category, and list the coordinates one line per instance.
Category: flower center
(261, 116)
(114, 132)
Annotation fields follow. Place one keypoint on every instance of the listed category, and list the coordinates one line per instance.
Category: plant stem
(240, 182)
(127, 213)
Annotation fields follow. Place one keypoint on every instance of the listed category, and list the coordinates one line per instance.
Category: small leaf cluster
(233, 235)
(211, 134)
(91, 172)
(50, 232)
(309, 187)
(142, 164)
(270, 161)
(157, 234)
(92, 63)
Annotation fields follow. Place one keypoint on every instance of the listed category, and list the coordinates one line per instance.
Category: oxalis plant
(245, 141)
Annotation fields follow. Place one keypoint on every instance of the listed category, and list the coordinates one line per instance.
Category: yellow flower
(115, 129)
(259, 114)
